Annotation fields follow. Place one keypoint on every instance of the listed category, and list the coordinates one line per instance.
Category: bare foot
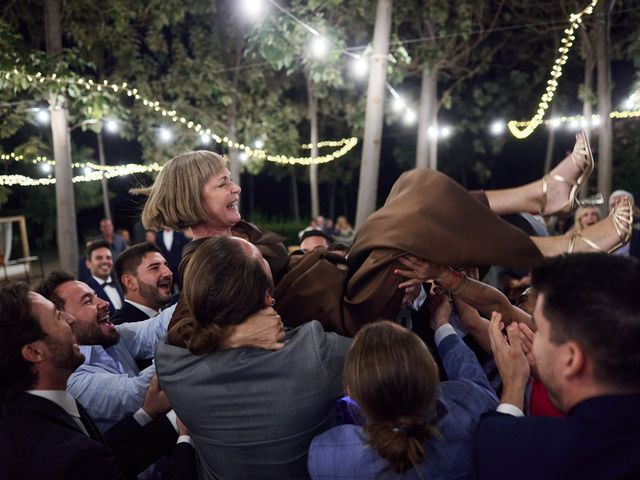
(564, 181)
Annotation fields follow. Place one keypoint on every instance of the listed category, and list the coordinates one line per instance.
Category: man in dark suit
(99, 261)
(146, 281)
(44, 432)
(171, 243)
(586, 354)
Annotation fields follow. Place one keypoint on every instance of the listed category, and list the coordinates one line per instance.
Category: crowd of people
(372, 354)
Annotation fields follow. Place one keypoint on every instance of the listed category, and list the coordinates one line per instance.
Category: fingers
(409, 283)
(513, 334)
(495, 332)
(406, 273)
(526, 337)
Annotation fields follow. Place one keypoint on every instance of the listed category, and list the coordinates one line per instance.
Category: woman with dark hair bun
(413, 425)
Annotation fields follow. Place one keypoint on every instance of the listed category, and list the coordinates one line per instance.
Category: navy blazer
(173, 256)
(343, 452)
(38, 439)
(102, 294)
(599, 438)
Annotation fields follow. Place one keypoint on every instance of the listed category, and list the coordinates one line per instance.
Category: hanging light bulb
(319, 47)
(359, 67)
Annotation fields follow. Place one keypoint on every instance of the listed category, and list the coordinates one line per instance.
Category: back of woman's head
(392, 376)
(224, 282)
(175, 198)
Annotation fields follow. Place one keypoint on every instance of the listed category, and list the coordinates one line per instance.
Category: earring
(273, 302)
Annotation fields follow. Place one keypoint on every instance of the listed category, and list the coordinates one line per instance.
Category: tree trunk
(551, 141)
(67, 233)
(232, 116)
(374, 114)
(313, 169)
(605, 140)
(105, 188)
(427, 145)
(295, 205)
(332, 198)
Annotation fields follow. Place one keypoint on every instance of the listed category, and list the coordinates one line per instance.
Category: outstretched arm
(479, 295)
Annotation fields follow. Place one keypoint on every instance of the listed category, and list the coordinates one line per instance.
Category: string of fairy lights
(575, 20)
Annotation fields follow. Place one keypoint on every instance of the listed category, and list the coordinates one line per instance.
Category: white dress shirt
(112, 293)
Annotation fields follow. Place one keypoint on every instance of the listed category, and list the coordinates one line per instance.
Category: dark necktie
(91, 428)
(108, 283)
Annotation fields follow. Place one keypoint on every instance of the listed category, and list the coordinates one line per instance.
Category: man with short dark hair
(99, 261)
(145, 278)
(37, 354)
(313, 239)
(586, 352)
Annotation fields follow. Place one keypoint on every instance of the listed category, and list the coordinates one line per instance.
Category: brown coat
(426, 214)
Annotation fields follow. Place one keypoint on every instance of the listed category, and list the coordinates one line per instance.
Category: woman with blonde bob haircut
(175, 199)
(413, 425)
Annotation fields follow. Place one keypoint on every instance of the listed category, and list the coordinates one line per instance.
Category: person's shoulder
(339, 437)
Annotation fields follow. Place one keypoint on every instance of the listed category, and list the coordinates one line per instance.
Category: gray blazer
(252, 413)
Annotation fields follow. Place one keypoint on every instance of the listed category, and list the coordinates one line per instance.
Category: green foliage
(281, 226)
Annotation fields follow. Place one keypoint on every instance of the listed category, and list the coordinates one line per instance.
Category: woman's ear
(269, 301)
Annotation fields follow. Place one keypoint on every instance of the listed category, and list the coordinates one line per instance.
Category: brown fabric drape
(426, 214)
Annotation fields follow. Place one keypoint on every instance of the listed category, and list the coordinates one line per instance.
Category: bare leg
(529, 198)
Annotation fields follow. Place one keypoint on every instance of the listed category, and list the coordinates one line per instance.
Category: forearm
(473, 323)
(482, 297)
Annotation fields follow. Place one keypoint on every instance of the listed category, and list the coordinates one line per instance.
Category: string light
(94, 172)
(319, 47)
(43, 116)
(497, 127)
(552, 84)
(112, 126)
(154, 105)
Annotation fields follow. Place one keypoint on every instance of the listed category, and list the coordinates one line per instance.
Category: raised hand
(510, 360)
(418, 270)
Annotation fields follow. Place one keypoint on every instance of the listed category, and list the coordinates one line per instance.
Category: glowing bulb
(497, 127)
(319, 47)
(574, 124)
(43, 116)
(87, 170)
(45, 167)
(243, 157)
(165, 135)
(445, 132)
(359, 67)
(398, 104)
(205, 139)
(595, 120)
(554, 123)
(254, 9)
(259, 144)
(410, 117)
(629, 103)
(112, 126)
(432, 132)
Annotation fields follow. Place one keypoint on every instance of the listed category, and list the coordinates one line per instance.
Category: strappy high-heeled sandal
(573, 201)
(622, 218)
